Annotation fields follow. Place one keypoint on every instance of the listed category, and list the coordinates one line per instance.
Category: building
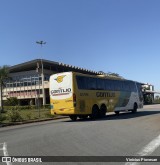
(148, 93)
(29, 81)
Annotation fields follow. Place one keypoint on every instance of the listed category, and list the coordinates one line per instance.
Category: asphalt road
(124, 135)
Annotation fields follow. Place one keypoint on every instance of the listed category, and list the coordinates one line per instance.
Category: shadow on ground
(121, 116)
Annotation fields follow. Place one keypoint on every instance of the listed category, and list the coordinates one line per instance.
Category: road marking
(5, 152)
(147, 150)
(151, 147)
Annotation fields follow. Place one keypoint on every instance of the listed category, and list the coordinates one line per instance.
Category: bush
(11, 107)
(46, 106)
(2, 118)
(12, 101)
(48, 115)
(29, 116)
(33, 107)
(26, 107)
(14, 115)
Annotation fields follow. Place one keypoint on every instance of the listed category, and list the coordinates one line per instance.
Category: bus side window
(108, 84)
(113, 85)
(117, 85)
(121, 85)
(91, 83)
(100, 84)
(81, 82)
(124, 86)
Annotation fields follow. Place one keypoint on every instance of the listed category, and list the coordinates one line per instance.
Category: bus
(81, 95)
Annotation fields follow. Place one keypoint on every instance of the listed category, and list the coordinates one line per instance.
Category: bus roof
(99, 76)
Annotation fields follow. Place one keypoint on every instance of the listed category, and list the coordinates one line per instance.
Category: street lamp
(41, 42)
(42, 75)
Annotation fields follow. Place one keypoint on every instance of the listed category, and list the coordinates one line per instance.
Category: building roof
(49, 65)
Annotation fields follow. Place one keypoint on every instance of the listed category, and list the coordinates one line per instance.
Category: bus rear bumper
(70, 111)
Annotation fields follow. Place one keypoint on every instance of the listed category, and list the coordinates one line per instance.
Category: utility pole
(42, 75)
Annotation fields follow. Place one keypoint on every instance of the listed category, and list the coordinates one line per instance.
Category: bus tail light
(74, 99)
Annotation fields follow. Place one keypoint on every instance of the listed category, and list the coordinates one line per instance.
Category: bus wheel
(95, 113)
(103, 111)
(135, 108)
(117, 112)
(73, 117)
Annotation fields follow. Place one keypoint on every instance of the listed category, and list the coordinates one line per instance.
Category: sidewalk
(154, 106)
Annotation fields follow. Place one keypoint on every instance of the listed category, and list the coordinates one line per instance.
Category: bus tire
(135, 107)
(95, 113)
(103, 110)
(73, 117)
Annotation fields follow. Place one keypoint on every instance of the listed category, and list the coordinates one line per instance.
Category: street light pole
(42, 74)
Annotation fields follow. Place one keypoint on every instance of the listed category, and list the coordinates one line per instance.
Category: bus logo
(59, 79)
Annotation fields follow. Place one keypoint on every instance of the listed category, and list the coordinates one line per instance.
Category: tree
(111, 74)
(114, 74)
(4, 71)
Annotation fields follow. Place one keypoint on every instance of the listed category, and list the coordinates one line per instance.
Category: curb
(34, 121)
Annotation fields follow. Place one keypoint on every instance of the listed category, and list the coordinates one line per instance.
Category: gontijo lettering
(60, 91)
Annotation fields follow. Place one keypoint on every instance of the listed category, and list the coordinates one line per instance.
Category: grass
(24, 115)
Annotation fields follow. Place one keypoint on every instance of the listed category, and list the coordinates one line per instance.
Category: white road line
(151, 147)
(5, 152)
(147, 150)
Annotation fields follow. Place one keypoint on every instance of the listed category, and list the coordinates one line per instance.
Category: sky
(120, 36)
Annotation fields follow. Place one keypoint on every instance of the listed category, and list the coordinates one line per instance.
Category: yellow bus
(80, 95)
